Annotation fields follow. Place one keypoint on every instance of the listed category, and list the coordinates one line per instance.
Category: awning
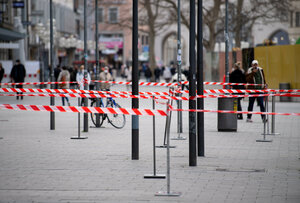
(9, 35)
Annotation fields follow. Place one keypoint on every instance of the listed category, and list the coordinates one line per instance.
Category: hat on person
(254, 62)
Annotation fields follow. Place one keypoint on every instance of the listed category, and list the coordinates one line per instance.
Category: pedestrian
(238, 76)
(148, 74)
(105, 76)
(255, 75)
(2, 71)
(81, 81)
(167, 75)
(157, 72)
(80, 78)
(56, 74)
(18, 74)
(128, 75)
(64, 76)
(73, 76)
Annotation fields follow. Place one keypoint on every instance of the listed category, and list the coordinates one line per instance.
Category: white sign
(9, 46)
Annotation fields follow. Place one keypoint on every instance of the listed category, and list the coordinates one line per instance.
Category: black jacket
(237, 76)
(18, 73)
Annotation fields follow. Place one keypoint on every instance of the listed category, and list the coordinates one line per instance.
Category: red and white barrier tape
(237, 112)
(82, 109)
(157, 84)
(126, 111)
(150, 97)
(213, 91)
(35, 83)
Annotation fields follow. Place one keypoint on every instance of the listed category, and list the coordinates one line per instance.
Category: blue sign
(18, 4)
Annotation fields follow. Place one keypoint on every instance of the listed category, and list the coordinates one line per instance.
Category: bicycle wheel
(116, 120)
(93, 115)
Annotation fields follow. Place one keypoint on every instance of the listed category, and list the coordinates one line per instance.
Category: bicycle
(116, 120)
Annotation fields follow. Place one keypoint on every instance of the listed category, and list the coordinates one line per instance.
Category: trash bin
(285, 86)
(227, 121)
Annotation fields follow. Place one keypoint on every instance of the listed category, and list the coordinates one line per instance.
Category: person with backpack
(64, 76)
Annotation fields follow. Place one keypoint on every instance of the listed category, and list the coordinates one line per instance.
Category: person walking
(18, 74)
(81, 81)
(148, 74)
(167, 75)
(238, 76)
(157, 73)
(255, 75)
(64, 76)
(105, 76)
(2, 71)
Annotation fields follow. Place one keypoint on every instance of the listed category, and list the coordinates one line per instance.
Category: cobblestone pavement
(42, 165)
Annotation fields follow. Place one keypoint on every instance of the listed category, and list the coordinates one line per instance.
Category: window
(75, 5)
(297, 19)
(100, 15)
(143, 39)
(113, 15)
(78, 28)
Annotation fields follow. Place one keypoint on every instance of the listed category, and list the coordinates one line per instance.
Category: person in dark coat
(18, 74)
(238, 76)
(148, 74)
(157, 72)
(1, 73)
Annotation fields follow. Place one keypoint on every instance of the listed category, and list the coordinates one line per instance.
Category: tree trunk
(152, 62)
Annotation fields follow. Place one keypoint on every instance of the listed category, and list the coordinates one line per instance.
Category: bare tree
(246, 14)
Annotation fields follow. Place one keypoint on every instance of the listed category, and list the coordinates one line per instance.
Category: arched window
(280, 37)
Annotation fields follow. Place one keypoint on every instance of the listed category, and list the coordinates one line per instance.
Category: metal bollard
(168, 192)
(179, 121)
(154, 175)
(273, 118)
(264, 134)
(168, 121)
(78, 137)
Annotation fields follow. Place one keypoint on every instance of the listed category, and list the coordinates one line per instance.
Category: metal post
(267, 116)
(264, 134)
(192, 92)
(200, 101)
(226, 45)
(168, 192)
(52, 99)
(97, 62)
(78, 137)
(179, 102)
(135, 80)
(154, 175)
(273, 118)
(85, 115)
(168, 122)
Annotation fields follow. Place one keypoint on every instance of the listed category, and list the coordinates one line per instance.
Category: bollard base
(227, 130)
(273, 134)
(165, 146)
(165, 193)
(178, 138)
(264, 140)
(78, 138)
(155, 176)
(97, 127)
